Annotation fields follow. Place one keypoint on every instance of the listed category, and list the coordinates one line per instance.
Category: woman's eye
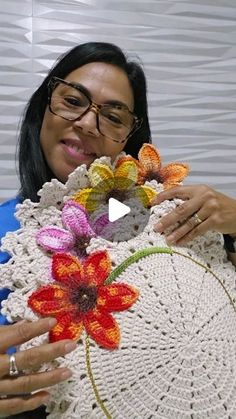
(72, 101)
(114, 118)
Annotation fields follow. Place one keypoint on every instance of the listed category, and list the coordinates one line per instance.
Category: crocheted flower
(150, 167)
(81, 300)
(120, 184)
(77, 233)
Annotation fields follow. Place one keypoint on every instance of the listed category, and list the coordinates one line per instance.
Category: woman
(109, 95)
(51, 146)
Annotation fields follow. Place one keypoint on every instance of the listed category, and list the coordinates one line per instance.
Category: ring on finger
(13, 370)
(196, 219)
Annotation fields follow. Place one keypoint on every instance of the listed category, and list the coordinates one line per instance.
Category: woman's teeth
(80, 150)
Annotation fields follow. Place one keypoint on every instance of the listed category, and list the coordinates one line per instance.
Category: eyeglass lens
(70, 103)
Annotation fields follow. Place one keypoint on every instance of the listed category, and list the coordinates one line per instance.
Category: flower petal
(173, 173)
(101, 177)
(89, 198)
(102, 226)
(149, 157)
(50, 300)
(126, 173)
(75, 218)
(97, 267)
(100, 222)
(123, 159)
(67, 327)
(116, 297)
(145, 194)
(55, 239)
(103, 328)
(67, 269)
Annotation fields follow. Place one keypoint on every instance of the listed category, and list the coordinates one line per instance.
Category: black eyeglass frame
(52, 85)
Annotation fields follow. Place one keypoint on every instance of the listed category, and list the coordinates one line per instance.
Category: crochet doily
(177, 352)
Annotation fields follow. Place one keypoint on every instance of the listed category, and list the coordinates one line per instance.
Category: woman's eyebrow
(82, 88)
(114, 102)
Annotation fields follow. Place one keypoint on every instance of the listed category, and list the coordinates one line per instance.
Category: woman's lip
(76, 154)
(71, 142)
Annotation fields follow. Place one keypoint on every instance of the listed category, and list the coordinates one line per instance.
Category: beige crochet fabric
(177, 356)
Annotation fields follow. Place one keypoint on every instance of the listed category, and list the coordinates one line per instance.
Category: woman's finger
(192, 203)
(218, 209)
(188, 231)
(15, 405)
(181, 214)
(25, 384)
(33, 358)
(21, 332)
(181, 192)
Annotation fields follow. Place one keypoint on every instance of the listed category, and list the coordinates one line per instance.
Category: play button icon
(118, 207)
(116, 210)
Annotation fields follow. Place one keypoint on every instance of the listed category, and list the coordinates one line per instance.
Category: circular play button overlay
(118, 207)
(116, 210)
(118, 221)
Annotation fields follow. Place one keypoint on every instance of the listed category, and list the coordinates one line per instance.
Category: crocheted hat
(155, 325)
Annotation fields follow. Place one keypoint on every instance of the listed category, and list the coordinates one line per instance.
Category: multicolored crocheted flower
(77, 233)
(120, 184)
(150, 167)
(81, 300)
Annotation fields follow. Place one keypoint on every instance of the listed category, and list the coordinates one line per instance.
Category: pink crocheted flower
(76, 235)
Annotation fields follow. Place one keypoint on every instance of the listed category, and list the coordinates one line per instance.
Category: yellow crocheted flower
(120, 183)
(150, 167)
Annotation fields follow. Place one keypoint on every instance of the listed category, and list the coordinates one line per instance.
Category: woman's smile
(76, 150)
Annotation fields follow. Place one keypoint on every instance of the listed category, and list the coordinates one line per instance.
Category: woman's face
(68, 144)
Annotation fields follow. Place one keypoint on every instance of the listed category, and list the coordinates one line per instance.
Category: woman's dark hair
(33, 168)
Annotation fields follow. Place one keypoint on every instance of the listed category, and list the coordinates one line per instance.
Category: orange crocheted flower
(150, 167)
(81, 300)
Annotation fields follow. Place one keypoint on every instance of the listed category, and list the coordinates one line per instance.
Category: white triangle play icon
(116, 209)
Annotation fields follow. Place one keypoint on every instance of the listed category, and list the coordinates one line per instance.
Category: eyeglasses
(71, 102)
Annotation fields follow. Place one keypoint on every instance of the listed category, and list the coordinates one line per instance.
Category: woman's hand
(13, 389)
(215, 211)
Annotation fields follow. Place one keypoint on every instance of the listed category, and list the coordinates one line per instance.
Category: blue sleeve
(8, 222)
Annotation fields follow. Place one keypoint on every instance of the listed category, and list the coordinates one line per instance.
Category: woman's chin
(65, 170)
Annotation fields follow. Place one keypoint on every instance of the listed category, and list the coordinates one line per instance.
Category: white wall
(188, 49)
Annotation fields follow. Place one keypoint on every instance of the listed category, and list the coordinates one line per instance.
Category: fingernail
(158, 228)
(66, 374)
(52, 322)
(45, 399)
(170, 239)
(69, 347)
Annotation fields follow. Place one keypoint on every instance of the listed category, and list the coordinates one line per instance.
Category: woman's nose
(88, 122)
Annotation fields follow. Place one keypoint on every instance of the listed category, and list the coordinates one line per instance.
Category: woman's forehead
(103, 81)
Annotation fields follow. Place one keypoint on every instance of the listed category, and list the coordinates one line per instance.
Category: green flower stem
(134, 258)
(152, 250)
(232, 300)
(92, 380)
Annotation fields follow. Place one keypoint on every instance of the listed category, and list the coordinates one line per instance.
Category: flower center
(81, 245)
(85, 297)
(153, 175)
(120, 195)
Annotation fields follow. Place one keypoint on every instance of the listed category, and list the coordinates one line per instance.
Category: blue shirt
(8, 222)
